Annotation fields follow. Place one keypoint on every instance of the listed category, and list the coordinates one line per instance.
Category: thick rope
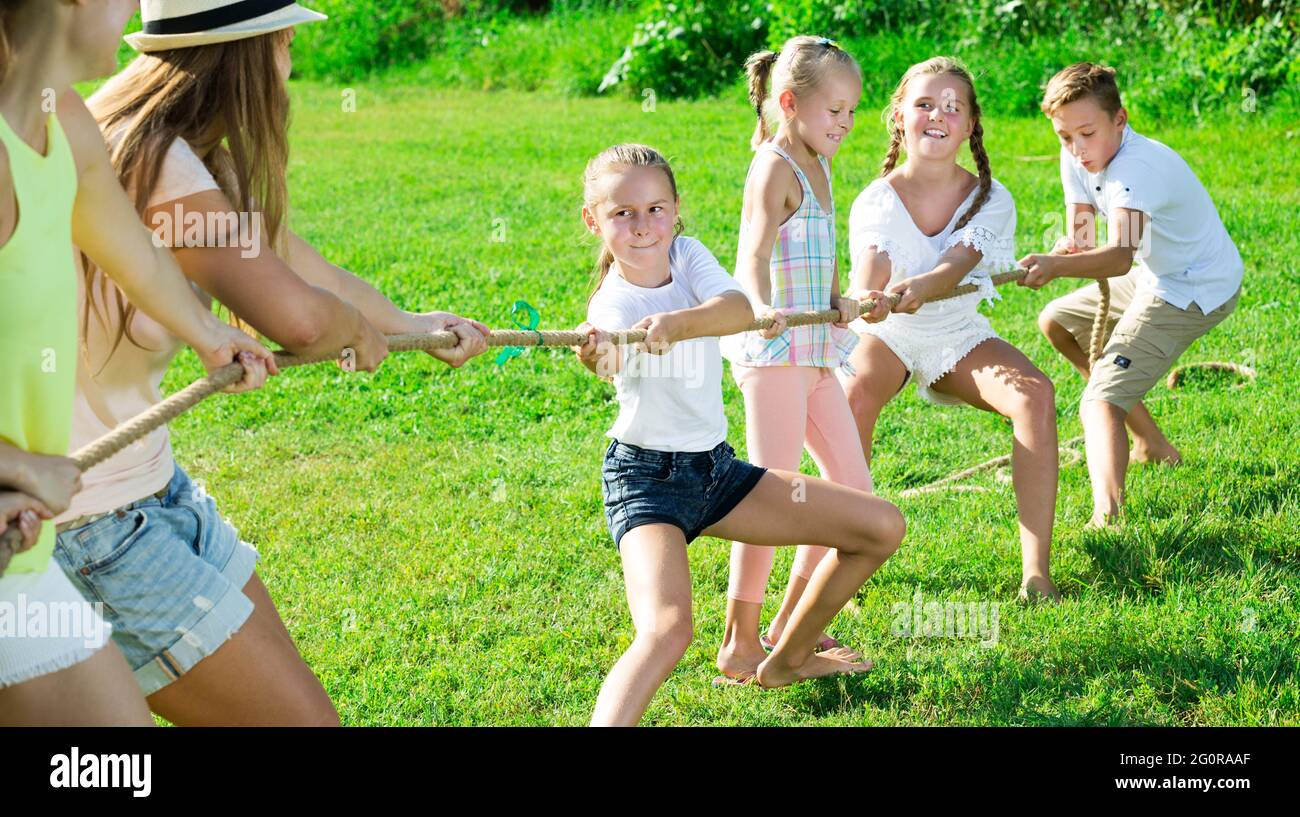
(1099, 322)
(1176, 374)
(140, 426)
(182, 401)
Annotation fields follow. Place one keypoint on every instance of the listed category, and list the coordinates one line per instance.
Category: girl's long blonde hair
(8, 13)
(954, 67)
(801, 64)
(227, 101)
(613, 158)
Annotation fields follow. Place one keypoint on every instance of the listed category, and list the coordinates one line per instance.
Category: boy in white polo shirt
(1186, 279)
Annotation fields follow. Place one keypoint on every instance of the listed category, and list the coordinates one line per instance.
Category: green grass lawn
(435, 540)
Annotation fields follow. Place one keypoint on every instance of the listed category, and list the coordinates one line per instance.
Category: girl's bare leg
(880, 376)
(863, 530)
(658, 580)
(99, 691)
(257, 678)
(997, 377)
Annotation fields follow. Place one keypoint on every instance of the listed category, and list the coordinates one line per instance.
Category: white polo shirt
(1186, 254)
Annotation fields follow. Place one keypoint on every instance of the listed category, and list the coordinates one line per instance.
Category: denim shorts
(170, 573)
(689, 489)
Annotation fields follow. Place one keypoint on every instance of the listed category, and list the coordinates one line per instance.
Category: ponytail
(758, 68)
(604, 261)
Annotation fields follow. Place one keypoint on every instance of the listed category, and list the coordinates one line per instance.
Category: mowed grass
(435, 542)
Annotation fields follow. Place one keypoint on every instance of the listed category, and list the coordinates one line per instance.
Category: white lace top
(879, 220)
(941, 333)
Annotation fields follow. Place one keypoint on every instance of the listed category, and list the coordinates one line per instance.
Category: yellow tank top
(38, 310)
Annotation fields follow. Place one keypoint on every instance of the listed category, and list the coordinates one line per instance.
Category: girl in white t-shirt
(921, 229)
(669, 474)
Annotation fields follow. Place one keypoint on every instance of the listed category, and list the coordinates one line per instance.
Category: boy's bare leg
(1149, 442)
(1107, 453)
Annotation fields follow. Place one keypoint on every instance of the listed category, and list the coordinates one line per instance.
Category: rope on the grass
(1176, 374)
(958, 476)
(140, 426)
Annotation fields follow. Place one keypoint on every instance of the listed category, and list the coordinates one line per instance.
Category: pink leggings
(786, 408)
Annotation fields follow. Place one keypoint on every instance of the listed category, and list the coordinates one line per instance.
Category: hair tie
(828, 42)
(758, 109)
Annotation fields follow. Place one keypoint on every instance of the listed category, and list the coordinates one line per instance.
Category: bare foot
(826, 644)
(773, 674)
(740, 661)
(1039, 588)
(1163, 454)
(840, 653)
(1101, 520)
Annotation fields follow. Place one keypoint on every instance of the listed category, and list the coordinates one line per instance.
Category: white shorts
(45, 625)
(932, 342)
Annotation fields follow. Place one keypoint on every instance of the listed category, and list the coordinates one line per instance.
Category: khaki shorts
(1145, 336)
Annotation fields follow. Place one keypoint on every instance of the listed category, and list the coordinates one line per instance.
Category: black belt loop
(215, 18)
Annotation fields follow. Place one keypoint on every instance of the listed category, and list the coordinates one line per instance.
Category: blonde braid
(895, 147)
(981, 157)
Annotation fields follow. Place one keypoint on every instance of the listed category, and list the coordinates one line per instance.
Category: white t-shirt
(111, 393)
(1186, 254)
(670, 402)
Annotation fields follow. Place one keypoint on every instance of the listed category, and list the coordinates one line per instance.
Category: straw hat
(185, 23)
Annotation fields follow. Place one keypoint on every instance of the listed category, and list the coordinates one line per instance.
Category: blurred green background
(1177, 58)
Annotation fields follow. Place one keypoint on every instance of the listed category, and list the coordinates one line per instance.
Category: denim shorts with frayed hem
(170, 572)
(689, 489)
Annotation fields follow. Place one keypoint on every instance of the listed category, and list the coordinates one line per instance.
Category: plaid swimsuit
(803, 272)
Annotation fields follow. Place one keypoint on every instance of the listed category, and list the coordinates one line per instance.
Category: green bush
(685, 49)
(1174, 56)
(564, 52)
(363, 37)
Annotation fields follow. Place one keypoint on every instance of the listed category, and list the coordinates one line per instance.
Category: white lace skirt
(932, 342)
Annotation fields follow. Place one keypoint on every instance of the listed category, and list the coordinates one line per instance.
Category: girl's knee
(893, 529)
(671, 633)
(883, 529)
(1040, 395)
(863, 400)
(1034, 400)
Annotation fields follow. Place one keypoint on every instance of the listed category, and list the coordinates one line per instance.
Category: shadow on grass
(1145, 558)
(1097, 684)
